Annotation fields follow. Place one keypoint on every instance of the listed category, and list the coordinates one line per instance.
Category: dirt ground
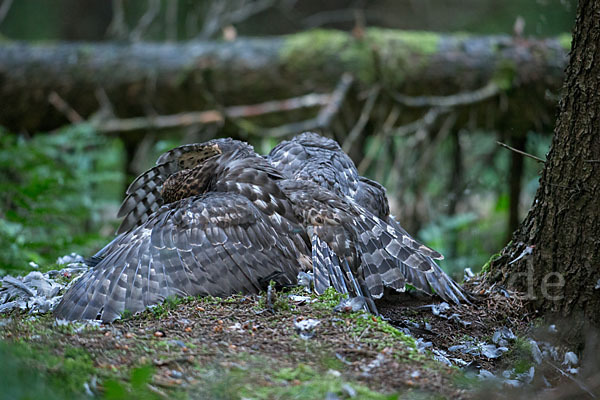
(248, 347)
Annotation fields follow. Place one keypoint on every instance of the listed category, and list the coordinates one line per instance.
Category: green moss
(31, 371)
(384, 335)
(316, 50)
(304, 382)
(391, 53)
(565, 41)
(254, 378)
(328, 300)
(402, 54)
(505, 74)
(161, 310)
(417, 41)
(519, 356)
(487, 265)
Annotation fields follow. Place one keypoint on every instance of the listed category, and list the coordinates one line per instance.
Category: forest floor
(245, 347)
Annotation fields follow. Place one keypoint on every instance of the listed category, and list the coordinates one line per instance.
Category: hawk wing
(319, 159)
(389, 256)
(312, 157)
(216, 244)
(143, 196)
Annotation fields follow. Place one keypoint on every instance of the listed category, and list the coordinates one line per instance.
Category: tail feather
(143, 196)
(334, 269)
(394, 228)
(373, 281)
(396, 258)
(352, 279)
(320, 271)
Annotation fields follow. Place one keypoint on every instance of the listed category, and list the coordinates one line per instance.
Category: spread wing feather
(143, 196)
(217, 244)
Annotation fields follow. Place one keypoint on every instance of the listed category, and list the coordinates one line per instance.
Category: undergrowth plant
(54, 188)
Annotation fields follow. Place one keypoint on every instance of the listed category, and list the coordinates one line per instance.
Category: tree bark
(559, 240)
(149, 78)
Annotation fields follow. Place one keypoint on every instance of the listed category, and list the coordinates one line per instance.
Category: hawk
(321, 160)
(217, 219)
(211, 221)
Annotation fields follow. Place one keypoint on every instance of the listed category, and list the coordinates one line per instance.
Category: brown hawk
(217, 219)
(211, 221)
(315, 158)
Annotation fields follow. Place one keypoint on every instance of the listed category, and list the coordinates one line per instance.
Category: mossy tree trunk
(559, 241)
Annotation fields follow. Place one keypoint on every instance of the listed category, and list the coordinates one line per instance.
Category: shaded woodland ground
(419, 111)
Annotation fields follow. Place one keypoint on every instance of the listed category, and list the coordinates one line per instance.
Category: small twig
(362, 334)
(146, 20)
(521, 152)
(322, 120)
(171, 21)
(106, 109)
(159, 122)
(592, 161)
(118, 27)
(213, 19)
(292, 128)
(337, 98)
(62, 106)
(426, 120)
(337, 16)
(270, 298)
(306, 101)
(362, 120)
(381, 138)
(486, 92)
(217, 16)
(243, 13)
(331, 104)
(577, 381)
(4, 9)
(157, 391)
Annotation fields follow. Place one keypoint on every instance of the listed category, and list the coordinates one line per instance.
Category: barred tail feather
(320, 271)
(396, 258)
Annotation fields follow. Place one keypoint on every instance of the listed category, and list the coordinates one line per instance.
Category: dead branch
(521, 152)
(64, 107)
(323, 119)
(118, 27)
(4, 9)
(218, 16)
(427, 120)
(337, 98)
(459, 99)
(171, 20)
(381, 137)
(169, 77)
(211, 116)
(363, 119)
(146, 20)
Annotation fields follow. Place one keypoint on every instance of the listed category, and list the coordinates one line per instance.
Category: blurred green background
(59, 191)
